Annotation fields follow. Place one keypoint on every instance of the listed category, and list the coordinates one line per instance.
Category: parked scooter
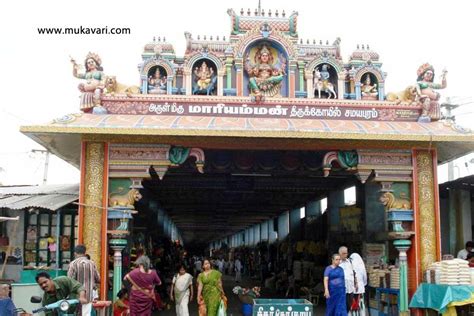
(61, 306)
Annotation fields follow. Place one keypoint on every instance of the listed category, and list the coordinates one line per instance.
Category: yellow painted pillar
(93, 205)
(427, 207)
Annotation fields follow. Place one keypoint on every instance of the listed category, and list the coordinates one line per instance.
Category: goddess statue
(157, 83)
(265, 77)
(94, 76)
(428, 97)
(368, 90)
(205, 79)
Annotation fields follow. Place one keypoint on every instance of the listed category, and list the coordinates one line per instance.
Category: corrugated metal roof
(41, 189)
(47, 201)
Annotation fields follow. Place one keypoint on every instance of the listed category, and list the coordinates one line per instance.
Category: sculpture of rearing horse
(323, 85)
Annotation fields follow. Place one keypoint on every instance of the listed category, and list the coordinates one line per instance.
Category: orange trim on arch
(239, 79)
(414, 266)
(80, 212)
(434, 154)
(292, 83)
(104, 240)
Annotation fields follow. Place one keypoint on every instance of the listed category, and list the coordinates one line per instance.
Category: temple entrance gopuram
(225, 145)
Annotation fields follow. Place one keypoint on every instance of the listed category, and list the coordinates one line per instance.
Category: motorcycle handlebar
(38, 310)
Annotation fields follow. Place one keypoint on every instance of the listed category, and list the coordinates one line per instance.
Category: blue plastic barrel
(247, 309)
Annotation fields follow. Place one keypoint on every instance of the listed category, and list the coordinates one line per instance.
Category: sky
(37, 83)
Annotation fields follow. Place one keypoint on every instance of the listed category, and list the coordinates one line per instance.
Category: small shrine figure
(427, 96)
(266, 75)
(368, 91)
(157, 83)
(205, 79)
(321, 82)
(94, 76)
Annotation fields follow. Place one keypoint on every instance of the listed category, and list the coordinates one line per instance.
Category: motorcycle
(61, 306)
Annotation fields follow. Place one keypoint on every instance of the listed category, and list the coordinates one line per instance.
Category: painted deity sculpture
(427, 94)
(266, 75)
(368, 90)
(157, 83)
(94, 76)
(124, 198)
(205, 79)
(321, 82)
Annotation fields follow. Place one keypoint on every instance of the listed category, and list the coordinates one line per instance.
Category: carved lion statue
(408, 96)
(122, 198)
(391, 202)
(112, 87)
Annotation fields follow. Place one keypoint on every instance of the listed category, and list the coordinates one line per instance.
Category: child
(121, 306)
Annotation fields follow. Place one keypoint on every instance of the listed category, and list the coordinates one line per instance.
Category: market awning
(63, 136)
(51, 202)
(51, 197)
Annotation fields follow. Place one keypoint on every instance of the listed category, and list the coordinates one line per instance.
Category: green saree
(211, 292)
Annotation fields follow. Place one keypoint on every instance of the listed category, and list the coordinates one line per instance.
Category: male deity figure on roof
(204, 78)
(321, 82)
(94, 77)
(427, 94)
(368, 90)
(266, 75)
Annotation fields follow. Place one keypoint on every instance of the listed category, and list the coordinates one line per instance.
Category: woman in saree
(182, 291)
(426, 90)
(94, 77)
(335, 288)
(210, 290)
(143, 281)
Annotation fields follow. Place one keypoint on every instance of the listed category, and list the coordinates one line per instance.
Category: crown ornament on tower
(423, 68)
(95, 57)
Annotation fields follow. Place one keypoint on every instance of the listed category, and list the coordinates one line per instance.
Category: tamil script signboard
(282, 307)
(255, 110)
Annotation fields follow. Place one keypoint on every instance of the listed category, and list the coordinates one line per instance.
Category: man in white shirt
(197, 266)
(462, 254)
(238, 269)
(350, 280)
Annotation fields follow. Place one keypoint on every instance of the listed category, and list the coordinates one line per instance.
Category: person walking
(182, 291)
(143, 280)
(197, 266)
(238, 270)
(355, 286)
(360, 274)
(334, 288)
(85, 272)
(210, 290)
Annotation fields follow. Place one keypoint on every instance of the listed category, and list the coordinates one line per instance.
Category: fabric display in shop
(395, 278)
(385, 278)
(450, 272)
(311, 247)
(301, 246)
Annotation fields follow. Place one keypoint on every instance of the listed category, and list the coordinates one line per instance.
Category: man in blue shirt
(7, 308)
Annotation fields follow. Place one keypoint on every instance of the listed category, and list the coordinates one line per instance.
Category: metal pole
(58, 245)
(46, 165)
